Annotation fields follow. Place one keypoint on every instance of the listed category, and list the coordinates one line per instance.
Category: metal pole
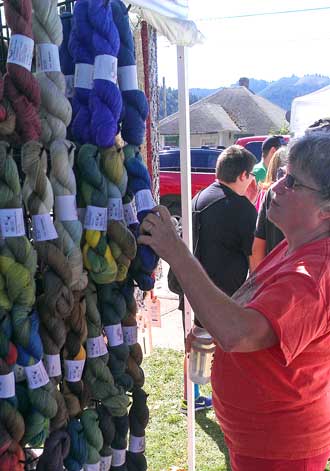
(185, 162)
(164, 98)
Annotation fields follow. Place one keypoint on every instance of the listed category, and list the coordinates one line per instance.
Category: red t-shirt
(275, 403)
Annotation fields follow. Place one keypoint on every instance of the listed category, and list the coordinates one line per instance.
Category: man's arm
(234, 328)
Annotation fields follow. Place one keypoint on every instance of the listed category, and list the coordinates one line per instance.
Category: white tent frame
(183, 33)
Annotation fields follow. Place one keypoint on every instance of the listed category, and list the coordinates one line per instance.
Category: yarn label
(47, 58)
(127, 78)
(96, 347)
(137, 444)
(36, 375)
(19, 373)
(43, 228)
(105, 68)
(115, 209)
(144, 201)
(73, 370)
(118, 457)
(105, 463)
(20, 51)
(92, 467)
(130, 214)
(81, 214)
(7, 385)
(66, 208)
(130, 334)
(53, 365)
(69, 85)
(83, 76)
(114, 334)
(11, 223)
(96, 218)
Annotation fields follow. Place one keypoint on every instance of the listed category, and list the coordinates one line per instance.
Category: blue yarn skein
(78, 446)
(135, 105)
(80, 48)
(105, 98)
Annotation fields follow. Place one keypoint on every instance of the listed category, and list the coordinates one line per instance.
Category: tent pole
(185, 162)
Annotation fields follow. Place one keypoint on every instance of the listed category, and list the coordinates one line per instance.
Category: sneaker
(201, 403)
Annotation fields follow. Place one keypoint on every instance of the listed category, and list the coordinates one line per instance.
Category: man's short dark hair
(272, 141)
(232, 162)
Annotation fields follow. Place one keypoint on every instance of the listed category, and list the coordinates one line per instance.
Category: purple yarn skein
(105, 99)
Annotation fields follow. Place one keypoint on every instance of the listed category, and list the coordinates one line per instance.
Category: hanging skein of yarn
(81, 50)
(107, 428)
(21, 87)
(66, 61)
(135, 105)
(93, 436)
(7, 114)
(119, 444)
(121, 240)
(105, 99)
(77, 456)
(97, 255)
(11, 454)
(55, 111)
(113, 310)
(138, 421)
(56, 449)
(97, 375)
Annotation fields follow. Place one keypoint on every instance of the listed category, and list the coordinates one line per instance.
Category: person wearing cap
(271, 369)
(269, 147)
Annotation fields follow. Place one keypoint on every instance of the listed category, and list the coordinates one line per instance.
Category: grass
(167, 429)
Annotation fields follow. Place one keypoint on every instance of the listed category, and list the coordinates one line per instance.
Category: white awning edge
(178, 32)
(170, 8)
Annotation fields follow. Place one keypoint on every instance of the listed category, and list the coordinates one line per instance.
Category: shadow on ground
(212, 429)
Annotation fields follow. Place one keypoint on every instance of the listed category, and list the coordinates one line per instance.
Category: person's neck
(302, 238)
(232, 186)
(265, 162)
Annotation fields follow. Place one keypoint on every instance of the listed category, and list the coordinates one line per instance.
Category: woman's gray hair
(311, 153)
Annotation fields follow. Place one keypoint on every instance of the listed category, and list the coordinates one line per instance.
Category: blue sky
(263, 46)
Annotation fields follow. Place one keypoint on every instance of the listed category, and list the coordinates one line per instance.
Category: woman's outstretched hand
(158, 231)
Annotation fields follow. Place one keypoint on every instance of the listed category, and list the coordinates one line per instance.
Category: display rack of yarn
(135, 112)
(12, 422)
(55, 110)
(20, 86)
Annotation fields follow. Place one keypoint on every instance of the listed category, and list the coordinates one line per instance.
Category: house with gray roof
(219, 119)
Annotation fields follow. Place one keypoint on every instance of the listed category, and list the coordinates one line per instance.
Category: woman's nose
(279, 186)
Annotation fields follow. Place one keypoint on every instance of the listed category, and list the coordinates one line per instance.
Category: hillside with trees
(281, 92)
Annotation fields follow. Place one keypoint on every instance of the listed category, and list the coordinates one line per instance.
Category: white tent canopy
(307, 109)
(170, 19)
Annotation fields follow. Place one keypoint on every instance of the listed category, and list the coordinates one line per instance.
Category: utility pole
(164, 98)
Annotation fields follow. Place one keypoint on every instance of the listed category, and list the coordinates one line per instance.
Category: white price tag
(73, 370)
(7, 385)
(105, 463)
(96, 218)
(19, 373)
(69, 85)
(47, 58)
(66, 208)
(127, 78)
(130, 334)
(20, 51)
(53, 365)
(114, 334)
(105, 68)
(81, 214)
(36, 375)
(144, 200)
(137, 444)
(130, 214)
(43, 228)
(96, 347)
(12, 222)
(118, 457)
(83, 76)
(115, 209)
(92, 467)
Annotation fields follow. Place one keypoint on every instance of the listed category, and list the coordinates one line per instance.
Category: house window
(172, 141)
(208, 142)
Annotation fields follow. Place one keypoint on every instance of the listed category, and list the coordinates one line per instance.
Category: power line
(249, 15)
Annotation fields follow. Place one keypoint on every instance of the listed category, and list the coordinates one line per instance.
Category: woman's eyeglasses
(291, 182)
